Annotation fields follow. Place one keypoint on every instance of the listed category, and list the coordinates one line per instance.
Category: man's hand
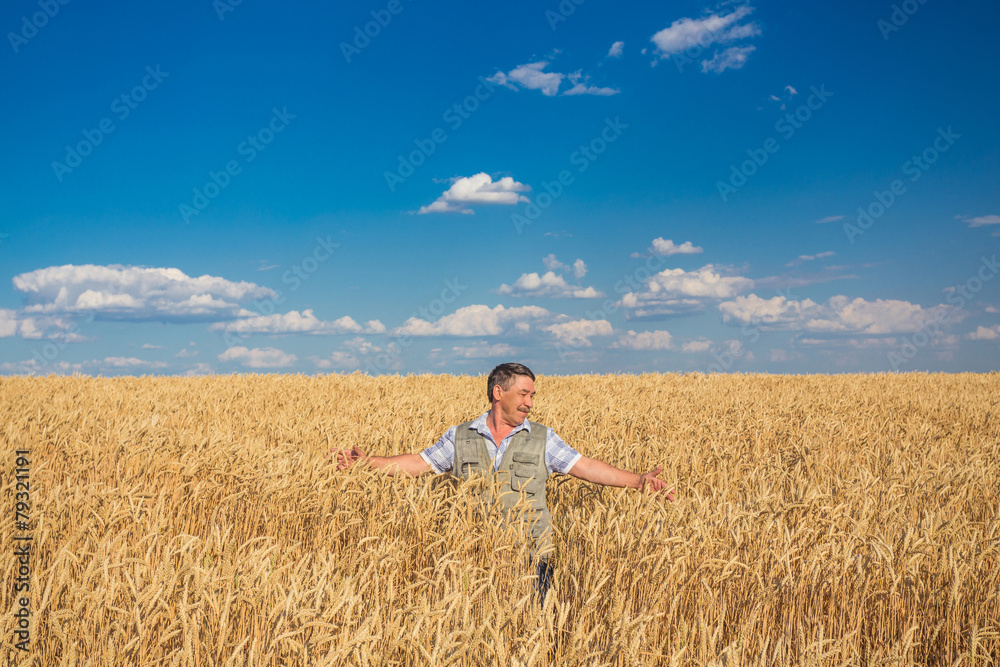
(599, 472)
(348, 457)
(407, 464)
(650, 482)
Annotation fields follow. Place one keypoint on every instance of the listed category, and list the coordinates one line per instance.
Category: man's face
(515, 403)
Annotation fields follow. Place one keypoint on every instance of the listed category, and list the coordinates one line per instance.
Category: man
(521, 454)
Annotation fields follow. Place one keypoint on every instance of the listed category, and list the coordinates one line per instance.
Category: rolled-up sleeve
(441, 455)
(559, 457)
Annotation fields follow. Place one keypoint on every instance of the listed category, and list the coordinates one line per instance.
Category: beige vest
(521, 469)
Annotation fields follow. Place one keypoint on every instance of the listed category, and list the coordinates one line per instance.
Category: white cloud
(665, 247)
(259, 357)
(676, 291)
(351, 354)
(549, 284)
(32, 366)
(295, 322)
(337, 359)
(186, 354)
(781, 356)
(787, 94)
(839, 314)
(697, 345)
(199, 369)
(355, 350)
(641, 307)
(702, 283)
(737, 350)
(484, 350)
(831, 218)
(735, 57)
(646, 340)
(552, 264)
(584, 89)
(871, 343)
(67, 337)
(478, 189)
(577, 333)
(361, 346)
(616, 50)
(137, 293)
(809, 258)
(985, 333)
(37, 327)
(532, 76)
(477, 320)
(128, 362)
(150, 346)
(983, 220)
(787, 282)
(687, 33)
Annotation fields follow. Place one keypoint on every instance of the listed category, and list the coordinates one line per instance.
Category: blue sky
(404, 187)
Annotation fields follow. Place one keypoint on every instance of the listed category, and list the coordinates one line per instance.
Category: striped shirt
(559, 457)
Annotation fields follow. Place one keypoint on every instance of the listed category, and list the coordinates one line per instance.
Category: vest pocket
(524, 457)
(521, 480)
(525, 478)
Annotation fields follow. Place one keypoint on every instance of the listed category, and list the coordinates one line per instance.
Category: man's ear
(496, 392)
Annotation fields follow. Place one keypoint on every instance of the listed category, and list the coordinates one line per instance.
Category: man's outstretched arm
(599, 472)
(401, 464)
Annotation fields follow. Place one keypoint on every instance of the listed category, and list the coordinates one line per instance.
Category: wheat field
(819, 520)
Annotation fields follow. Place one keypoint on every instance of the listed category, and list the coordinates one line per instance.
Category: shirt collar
(484, 430)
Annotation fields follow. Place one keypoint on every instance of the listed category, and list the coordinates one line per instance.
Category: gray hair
(504, 375)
